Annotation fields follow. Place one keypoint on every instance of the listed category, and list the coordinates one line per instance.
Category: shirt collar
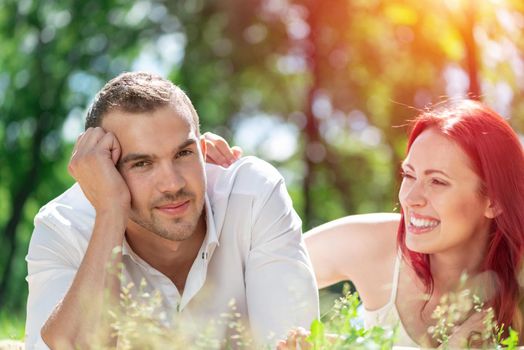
(211, 239)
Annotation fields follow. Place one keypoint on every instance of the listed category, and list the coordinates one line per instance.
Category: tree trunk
(19, 200)
(312, 135)
(474, 90)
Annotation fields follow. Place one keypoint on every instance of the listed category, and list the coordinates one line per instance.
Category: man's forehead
(117, 117)
(159, 128)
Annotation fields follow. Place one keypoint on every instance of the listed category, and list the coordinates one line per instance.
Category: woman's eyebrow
(427, 171)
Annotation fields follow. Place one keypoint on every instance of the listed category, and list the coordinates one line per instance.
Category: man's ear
(493, 209)
(203, 147)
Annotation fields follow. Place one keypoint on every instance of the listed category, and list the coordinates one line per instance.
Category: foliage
(11, 326)
(54, 56)
(351, 334)
(141, 323)
(452, 310)
(343, 328)
(344, 74)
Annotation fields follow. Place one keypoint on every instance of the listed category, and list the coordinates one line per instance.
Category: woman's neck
(449, 268)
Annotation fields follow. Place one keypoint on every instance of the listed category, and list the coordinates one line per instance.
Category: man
(200, 236)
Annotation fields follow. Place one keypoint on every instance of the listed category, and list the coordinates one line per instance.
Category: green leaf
(512, 341)
(317, 334)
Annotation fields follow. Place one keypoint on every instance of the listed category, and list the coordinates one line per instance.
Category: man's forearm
(78, 316)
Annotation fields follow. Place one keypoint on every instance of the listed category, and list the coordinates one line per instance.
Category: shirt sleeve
(280, 283)
(51, 270)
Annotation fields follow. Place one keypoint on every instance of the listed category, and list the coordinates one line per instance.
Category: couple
(203, 235)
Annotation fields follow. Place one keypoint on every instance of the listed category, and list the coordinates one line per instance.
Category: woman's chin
(418, 244)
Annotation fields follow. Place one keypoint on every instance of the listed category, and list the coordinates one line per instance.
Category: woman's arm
(352, 247)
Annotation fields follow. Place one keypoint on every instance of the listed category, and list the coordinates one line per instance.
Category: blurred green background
(320, 88)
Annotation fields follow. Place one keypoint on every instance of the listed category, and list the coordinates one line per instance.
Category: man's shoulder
(255, 171)
(70, 210)
(247, 175)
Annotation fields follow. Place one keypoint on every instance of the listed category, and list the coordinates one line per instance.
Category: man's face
(162, 164)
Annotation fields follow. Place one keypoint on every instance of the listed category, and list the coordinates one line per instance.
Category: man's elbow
(55, 339)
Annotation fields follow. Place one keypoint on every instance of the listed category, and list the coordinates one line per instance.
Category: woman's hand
(469, 333)
(219, 152)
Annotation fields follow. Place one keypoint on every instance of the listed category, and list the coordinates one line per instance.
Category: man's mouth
(173, 208)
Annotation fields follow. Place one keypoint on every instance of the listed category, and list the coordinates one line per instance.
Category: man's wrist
(112, 214)
(111, 222)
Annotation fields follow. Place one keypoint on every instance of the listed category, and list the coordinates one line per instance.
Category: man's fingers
(302, 335)
(92, 142)
(87, 141)
(92, 137)
(296, 339)
(291, 342)
(281, 345)
(110, 143)
(78, 142)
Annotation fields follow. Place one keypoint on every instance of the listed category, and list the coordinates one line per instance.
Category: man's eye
(140, 164)
(184, 153)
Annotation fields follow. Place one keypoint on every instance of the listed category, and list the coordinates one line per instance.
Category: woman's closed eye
(438, 182)
(406, 175)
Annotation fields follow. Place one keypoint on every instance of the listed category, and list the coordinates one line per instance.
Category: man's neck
(172, 258)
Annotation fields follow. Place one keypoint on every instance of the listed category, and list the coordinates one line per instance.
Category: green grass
(12, 326)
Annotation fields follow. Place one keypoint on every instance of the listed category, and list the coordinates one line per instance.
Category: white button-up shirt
(252, 253)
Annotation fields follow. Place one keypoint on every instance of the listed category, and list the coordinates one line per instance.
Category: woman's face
(440, 197)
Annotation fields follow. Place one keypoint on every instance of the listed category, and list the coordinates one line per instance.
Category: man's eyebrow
(187, 143)
(139, 156)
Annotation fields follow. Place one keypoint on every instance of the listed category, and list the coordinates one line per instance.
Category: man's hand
(219, 152)
(296, 339)
(93, 165)
(81, 312)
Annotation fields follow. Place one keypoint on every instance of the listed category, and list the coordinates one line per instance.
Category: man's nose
(170, 178)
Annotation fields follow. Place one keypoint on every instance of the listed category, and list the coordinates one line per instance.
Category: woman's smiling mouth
(421, 224)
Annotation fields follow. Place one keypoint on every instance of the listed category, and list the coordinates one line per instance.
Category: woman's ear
(493, 210)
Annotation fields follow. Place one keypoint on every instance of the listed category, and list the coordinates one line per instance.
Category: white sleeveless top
(387, 316)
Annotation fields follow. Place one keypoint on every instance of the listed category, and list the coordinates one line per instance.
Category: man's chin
(176, 234)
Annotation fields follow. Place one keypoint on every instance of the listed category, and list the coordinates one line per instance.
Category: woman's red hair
(497, 158)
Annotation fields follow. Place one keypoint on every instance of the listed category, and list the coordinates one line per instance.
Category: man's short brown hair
(138, 92)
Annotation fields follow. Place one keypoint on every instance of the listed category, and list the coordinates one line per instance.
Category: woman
(462, 198)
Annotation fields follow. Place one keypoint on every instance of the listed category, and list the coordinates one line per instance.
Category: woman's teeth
(423, 223)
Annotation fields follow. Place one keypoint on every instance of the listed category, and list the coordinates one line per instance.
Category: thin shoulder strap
(394, 283)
